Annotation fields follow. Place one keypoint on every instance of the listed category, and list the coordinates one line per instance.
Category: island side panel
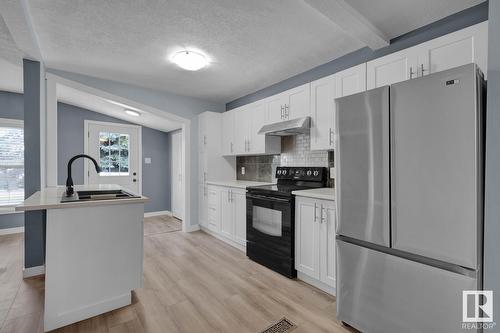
(94, 259)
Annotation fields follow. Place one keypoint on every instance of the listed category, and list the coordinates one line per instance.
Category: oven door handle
(263, 197)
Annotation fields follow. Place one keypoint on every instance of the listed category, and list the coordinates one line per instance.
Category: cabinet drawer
(212, 212)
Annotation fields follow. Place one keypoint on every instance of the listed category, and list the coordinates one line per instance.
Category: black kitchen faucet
(69, 180)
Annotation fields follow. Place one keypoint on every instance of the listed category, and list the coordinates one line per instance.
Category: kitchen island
(94, 253)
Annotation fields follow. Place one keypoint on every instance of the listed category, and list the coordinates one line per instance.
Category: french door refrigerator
(409, 161)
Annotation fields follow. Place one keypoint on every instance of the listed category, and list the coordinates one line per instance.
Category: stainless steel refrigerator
(409, 188)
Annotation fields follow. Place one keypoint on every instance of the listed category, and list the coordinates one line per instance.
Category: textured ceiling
(251, 44)
(8, 48)
(397, 17)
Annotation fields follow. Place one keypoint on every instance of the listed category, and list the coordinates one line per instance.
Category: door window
(114, 154)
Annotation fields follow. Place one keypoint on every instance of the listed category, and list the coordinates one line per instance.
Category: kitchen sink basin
(98, 195)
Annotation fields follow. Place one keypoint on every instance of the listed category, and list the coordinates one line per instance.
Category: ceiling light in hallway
(132, 113)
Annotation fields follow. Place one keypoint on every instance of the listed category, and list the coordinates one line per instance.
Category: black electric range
(271, 217)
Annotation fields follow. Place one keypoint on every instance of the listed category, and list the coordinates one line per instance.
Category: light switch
(147, 160)
(332, 173)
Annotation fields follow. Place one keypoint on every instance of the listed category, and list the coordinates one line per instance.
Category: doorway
(118, 150)
(177, 185)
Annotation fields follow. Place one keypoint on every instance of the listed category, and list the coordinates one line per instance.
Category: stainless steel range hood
(288, 127)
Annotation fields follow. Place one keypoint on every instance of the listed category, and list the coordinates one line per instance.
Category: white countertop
(324, 193)
(237, 183)
(50, 198)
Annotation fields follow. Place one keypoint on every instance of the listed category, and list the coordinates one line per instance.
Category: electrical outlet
(242, 170)
(147, 160)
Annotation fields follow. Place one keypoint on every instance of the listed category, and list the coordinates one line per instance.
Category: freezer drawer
(436, 158)
(382, 293)
(362, 158)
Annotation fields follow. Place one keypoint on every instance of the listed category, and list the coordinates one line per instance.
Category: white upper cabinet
(298, 102)
(241, 129)
(276, 108)
(323, 94)
(259, 144)
(455, 49)
(228, 133)
(290, 104)
(393, 68)
(351, 81)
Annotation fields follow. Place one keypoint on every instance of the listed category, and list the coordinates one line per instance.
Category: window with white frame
(11, 162)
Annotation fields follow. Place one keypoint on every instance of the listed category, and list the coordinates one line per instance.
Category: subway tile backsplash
(295, 151)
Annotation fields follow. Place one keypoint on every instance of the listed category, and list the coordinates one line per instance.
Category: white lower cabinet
(227, 214)
(315, 242)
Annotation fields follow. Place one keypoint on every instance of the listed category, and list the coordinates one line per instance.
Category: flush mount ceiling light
(189, 60)
(132, 113)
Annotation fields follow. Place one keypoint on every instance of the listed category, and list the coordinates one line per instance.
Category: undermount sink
(98, 195)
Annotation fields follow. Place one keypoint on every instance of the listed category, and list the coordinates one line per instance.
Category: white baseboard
(192, 228)
(33, 271)
(158, 213)
(90, 310)
(318, 284)
(224, 239)
(9, 231)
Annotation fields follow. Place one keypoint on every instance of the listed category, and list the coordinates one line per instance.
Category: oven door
(270, 226)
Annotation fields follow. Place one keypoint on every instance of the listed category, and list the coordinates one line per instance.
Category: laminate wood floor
(192, 283)
(161, 224)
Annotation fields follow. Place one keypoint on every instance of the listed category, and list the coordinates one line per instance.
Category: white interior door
(177, 193)
(117, 149)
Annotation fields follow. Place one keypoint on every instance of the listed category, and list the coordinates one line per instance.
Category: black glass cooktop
(282, 189)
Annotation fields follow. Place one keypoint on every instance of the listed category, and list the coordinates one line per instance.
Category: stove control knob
(316, 173)
(284, 172)
(309, 172)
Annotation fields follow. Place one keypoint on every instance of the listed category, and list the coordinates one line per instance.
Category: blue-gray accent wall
(492, 174)
(457, 21)
(155, 144)
(11, 107)
(34, 221)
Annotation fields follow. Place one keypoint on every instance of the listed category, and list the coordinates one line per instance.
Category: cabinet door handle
(204, 139)
(324, 217)
(422, 69)
(231, 147)
(315, 215)
(411, 72)
(330, 136)
(249, 145)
